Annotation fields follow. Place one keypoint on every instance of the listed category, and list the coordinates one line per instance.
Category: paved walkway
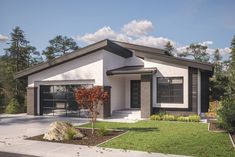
(13, 130)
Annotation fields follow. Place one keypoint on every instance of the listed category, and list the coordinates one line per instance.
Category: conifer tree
(197, 51)
(169, 47)
(59, 46)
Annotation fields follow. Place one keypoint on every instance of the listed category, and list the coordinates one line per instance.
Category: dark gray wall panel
(204, 92)
(32, 100)
(105, 110)
(146, 95)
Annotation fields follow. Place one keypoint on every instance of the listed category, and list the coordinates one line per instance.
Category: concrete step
(126, 114)
(127, 118)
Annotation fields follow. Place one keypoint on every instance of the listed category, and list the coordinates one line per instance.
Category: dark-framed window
(170, 89)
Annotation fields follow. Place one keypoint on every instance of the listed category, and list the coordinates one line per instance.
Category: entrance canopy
(132, 70)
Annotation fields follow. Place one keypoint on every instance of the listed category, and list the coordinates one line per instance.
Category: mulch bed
(89, 139)
(214, 127)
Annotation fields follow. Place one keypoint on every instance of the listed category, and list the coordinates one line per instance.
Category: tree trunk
(92, 126)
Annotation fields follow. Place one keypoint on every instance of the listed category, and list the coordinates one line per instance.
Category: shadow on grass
(139, 129)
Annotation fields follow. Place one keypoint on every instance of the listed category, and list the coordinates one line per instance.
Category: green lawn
(180, 138)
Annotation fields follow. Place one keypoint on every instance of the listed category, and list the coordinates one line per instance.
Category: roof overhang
(104, 44)
(175, 60)
(163, 55)
(142, 48)
(131, 70)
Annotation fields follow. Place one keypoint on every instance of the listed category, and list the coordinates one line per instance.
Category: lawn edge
(231, 139)
(215, 131)
(99, 128)
(112, 139)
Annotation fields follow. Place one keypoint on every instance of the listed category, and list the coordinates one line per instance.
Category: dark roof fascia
(142, 48)
(118, 50)
(175, 60)
(131, 70)
(104, 44)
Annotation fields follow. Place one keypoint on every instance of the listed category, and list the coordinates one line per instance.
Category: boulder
(59, 130)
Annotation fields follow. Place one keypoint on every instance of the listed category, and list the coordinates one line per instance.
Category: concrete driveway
(14, 128)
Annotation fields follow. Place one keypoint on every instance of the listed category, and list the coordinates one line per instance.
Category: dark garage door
(59, 100)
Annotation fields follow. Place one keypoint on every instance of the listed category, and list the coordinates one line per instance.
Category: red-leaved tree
(93, 99)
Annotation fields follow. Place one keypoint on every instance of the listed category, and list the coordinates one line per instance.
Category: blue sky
(149, 22)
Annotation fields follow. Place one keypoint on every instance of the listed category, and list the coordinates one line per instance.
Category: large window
(170, 90)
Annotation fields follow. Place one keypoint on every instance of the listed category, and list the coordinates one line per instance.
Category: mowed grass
(192, 139)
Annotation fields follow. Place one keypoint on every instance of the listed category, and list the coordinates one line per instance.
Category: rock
(58, 131)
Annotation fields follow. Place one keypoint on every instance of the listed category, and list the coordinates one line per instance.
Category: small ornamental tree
(91, 98)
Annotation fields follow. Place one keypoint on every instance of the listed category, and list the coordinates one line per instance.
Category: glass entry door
(59, 100)
(135, 93)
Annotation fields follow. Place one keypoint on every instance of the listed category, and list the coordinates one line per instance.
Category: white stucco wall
(111, 61)
(133, 61)
(86, 67)
(117, 83)
(117, 92)
(168, 70)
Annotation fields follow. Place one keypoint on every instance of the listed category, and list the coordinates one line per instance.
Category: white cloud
(137, 28)
(152, 41)
(103, 33)
(3, 38)
(136, 32)
(225, 52)
(206, 43)
(136, 35)
(181, 49)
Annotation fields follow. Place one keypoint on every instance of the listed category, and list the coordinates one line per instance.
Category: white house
(136, 77)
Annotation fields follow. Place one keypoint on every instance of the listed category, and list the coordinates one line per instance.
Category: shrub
(13, 107)
(102, 131)
(183, 119)
(162, 113)
(194, 118)
(168, 117)
(70, 134)
(155, 117)
(213, 107)
(226, 115)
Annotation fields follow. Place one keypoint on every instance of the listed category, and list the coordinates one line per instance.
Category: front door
(135, 93)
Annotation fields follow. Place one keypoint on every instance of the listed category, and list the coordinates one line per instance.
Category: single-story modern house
(136, 77)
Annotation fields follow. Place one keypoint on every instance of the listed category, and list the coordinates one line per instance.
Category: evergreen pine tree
(219, 81)
(197, 51)
(18, 56)
(169, 48)
(232, 69)
(59, 46)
